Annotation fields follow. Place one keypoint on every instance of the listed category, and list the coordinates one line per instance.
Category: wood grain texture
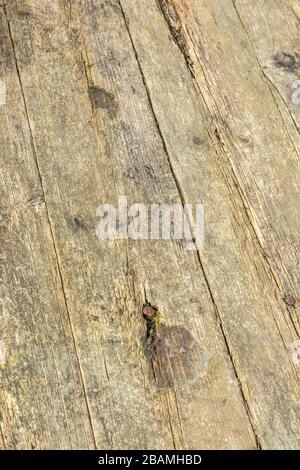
(92, 148)
(167, 101)
(42, 399)
(273, 31)
(254, 138)
(249, 300)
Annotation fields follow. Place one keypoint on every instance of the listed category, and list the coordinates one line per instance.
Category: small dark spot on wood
(217, 135)
(197, 140)
(103, 99)
(290, 300)
(244, 139)
(286, 61)
(24, 14)
(94, 318)
(79, 225)
(35, 201)
(180, 244)
(133, 174)
(149, 171)
(73, 36)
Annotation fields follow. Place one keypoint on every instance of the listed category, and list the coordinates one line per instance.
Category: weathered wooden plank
(254, 317)
(90, 153)
(42, 399)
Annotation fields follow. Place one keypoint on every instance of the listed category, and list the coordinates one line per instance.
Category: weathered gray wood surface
(43, 403)
(162, 101)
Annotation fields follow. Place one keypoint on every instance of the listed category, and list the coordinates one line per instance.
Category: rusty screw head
(148, 312)
(290, 300)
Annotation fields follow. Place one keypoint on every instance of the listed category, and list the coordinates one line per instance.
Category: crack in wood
(176, 29)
